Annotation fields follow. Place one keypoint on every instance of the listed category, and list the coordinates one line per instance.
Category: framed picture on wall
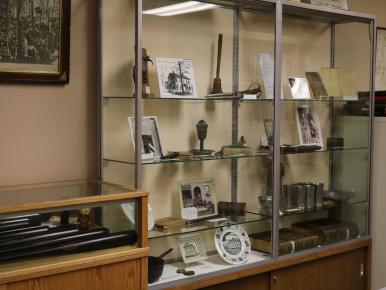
(35, 40)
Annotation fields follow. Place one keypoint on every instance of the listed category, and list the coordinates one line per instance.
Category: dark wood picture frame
(27, 15)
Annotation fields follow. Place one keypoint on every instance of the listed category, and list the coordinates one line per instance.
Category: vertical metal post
(276, 130)
(331, 107)
(235, 103)
(138, 93)
(373, 53)
(100, 93)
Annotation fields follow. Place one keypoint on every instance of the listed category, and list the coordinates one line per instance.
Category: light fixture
(180, 8)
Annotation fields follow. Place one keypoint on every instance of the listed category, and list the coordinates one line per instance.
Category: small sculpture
(202, 129)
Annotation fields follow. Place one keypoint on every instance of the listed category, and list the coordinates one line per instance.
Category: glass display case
(61, 222)
(250, 125)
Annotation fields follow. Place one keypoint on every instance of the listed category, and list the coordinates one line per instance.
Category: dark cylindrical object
(52, 234)
(114, 240)
(23, 232)
(219, 53)
(82, 236)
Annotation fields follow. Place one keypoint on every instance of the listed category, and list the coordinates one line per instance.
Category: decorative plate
(129, 210)
(232, 244)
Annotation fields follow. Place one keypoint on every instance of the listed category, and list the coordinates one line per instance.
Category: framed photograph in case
(198, 195)
(176, 78)
(151, 143)
(308, 126)
(192, 248)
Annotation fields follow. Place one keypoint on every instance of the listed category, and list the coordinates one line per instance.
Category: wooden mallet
(217, 81)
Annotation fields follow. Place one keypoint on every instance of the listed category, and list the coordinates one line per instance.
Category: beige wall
(47, 132)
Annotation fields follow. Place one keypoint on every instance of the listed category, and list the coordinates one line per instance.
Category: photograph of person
(200, 195)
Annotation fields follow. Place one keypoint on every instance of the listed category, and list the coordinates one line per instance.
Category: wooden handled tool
(217, 81)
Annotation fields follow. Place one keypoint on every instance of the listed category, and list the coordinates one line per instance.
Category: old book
(340, 83)
(317, 87)
(169, 223)
(289, 241)
(236, 150)
(329, 231)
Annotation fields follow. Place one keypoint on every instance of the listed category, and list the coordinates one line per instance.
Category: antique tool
(145, 73)
(202, 129)
(217, 81)
(156, 266)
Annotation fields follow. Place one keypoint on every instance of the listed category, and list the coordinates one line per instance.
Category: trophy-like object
(202, 129)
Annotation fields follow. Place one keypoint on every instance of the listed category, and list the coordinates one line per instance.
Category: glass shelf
(194, 159)
(230, 157)
(207, 99)
(336, 206)
(209, 224)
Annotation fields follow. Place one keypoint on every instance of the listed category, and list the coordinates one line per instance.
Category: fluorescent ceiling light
(180, 8)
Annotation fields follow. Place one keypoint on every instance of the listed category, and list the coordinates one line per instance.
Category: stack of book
(329, 231)
(289, 241)
(169, 223)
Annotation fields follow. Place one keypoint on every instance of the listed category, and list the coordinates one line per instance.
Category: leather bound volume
(170, 223)
(289, 241)
(329, 231)
(316, 84)
(226, 208)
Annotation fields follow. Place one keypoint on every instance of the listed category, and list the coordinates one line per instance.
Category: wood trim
(282, 263)
(142, 222)
(55, 265)
(144, 274)
(89, 200)
(368, 267)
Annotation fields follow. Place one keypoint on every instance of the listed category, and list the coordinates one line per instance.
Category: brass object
(145, 73)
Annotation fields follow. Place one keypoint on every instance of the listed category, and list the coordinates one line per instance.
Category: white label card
(189, 213)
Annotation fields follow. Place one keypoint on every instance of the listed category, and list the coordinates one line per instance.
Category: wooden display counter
(339, 267)
(118, 268)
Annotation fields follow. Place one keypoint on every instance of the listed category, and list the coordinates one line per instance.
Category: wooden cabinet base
(340, 267)
(115, 269)
(118, 276)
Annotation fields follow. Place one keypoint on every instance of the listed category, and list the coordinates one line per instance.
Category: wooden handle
(219, 52)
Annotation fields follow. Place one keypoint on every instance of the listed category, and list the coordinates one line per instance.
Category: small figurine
(242, 142)
(84, 219)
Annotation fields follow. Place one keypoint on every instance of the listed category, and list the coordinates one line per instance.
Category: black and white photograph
(176, 78)
(192, 248)
(34, 40)
(200, 195)
(308, 126)
(299, 88)
(151, 144)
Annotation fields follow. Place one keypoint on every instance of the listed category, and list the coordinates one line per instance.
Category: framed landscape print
(34, 40)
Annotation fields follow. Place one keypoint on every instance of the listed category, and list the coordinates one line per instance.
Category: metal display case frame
(281, 9)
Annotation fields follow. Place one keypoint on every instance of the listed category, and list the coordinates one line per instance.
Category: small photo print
(176, 78)
(200, 195)
(151, 144)
(308, 126)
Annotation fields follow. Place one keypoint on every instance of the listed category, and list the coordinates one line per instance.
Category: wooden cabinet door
(118, 276)
(340, 272)
(258, 282)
